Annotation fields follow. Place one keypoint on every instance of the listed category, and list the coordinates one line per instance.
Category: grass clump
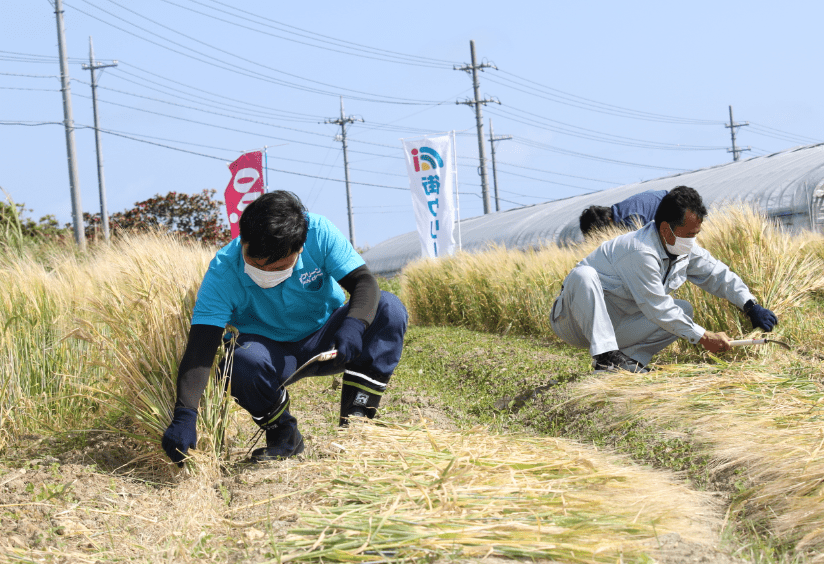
(503, 291)
(473, 495)
(99, 337)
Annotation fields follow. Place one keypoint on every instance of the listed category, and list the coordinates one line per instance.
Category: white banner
(430, 162)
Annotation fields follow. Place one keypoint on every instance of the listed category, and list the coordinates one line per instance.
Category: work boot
(282, 441)
(360, 396)
(614, 361)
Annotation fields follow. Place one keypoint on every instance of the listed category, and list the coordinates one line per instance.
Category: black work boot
(614, 361)
(282, 441)
(360, 396)
(282, 436)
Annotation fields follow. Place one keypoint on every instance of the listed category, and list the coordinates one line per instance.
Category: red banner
(245, 186)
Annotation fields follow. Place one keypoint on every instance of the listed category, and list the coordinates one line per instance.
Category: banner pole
(457, 196)
(266, 168)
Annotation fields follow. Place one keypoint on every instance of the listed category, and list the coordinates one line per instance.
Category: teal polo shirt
(293, 309)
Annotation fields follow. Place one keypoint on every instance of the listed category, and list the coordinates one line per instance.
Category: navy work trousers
(259, 365)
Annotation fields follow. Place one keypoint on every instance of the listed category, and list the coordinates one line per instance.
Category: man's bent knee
(581, 276)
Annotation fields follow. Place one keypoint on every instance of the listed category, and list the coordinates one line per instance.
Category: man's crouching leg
(365, 378)
(282, 436)
(256, 385)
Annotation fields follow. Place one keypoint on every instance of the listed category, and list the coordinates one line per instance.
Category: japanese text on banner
(430, 165)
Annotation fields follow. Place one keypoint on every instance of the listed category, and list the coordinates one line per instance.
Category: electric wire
(594, 105)
(794, 135)
(409, 60)
(568, 152)
(558, 173)
(225, 160)
(145, 139)
(225, 65)
(209, 92)
(509, 172)
(765, 132)
(29, 75)
(227, 128)
(235, 117)
(32, 89)
(249, 110)
(615, 139)
(385, 51)
(42, 58)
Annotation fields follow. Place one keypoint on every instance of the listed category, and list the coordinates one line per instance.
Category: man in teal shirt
(279, 284)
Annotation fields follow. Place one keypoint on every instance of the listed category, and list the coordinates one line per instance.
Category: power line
(779, 131)
(386, 51)
(547, 181)
(611, 138)
(29, 75)
(32, 89)
(181, 95)
(226, 159)
(30, 57)
(602, 107)
(554, 149)
(561, 173)
(406, 60)
(234, 68)
(133, 137)
(205, 111)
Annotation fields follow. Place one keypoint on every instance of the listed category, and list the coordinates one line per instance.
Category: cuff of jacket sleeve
(742, 299)
(694, 334)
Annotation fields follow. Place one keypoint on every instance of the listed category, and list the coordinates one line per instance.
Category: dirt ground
(90, 501)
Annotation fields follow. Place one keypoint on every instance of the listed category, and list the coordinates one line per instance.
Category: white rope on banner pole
(457, 196)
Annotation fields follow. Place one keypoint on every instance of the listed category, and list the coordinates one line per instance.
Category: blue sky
(594, 94)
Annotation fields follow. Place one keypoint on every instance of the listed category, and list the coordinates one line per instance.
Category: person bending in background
(635, 211)
(616, 302)
(279, 284)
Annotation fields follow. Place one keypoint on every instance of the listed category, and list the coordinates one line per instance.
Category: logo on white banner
(429, 163)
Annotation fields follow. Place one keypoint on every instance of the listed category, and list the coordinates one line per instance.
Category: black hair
(675, 204)
(274, 226)
(595, 218)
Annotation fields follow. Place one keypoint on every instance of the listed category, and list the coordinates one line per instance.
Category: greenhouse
(787, 186)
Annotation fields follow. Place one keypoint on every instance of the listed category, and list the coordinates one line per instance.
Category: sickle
(758, 342)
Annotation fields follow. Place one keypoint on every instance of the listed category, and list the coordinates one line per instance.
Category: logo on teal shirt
(312, 280)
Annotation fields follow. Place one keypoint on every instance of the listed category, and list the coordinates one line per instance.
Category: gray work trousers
(583, 318)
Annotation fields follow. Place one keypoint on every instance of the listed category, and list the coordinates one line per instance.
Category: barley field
(450, 473)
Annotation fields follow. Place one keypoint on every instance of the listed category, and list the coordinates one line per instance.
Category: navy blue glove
(181, 434)
(760, 316)
(349, 340)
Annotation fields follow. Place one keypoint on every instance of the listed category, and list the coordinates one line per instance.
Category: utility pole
(479, 118)
(735, 150)
(101, 181)
(492, 140)
(342, 121)
(74, 184)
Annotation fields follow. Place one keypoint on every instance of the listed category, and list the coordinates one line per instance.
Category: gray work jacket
(637, 274)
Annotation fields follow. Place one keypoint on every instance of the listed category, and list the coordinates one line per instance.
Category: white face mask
(682, 246)
(266, 279)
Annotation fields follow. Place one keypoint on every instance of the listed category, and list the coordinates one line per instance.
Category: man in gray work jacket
(616, 302)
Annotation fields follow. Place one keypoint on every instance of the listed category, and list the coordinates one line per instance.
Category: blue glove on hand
(761, 317)
(181, 434)
(349, 340)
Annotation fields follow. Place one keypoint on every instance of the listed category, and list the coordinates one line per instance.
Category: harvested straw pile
(766, 423)
(405, 491)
